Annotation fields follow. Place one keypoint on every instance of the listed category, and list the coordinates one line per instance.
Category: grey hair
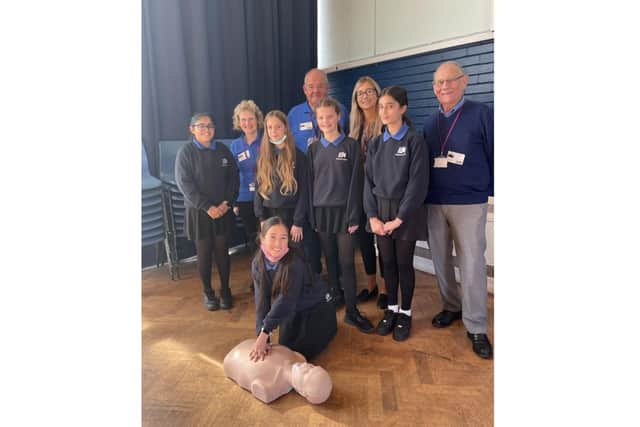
(454, 63)
(324, 75)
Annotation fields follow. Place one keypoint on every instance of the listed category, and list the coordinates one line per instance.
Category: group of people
(320, 180)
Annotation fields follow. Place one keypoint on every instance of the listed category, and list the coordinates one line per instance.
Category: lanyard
(314, 124)
(443, 144)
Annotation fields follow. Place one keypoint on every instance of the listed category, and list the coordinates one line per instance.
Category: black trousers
(312, 248)
(397, 256)
(250, 223)
(339, 251)
(217, 246)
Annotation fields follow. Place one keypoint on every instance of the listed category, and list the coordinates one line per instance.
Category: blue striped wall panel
(415, 74)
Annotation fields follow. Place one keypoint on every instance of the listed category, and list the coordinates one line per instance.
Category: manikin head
(312, 382)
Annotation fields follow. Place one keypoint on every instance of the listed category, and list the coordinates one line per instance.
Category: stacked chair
(172, 197)
(155, 224)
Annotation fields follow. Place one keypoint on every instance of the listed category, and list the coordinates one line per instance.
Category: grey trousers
(463, 225)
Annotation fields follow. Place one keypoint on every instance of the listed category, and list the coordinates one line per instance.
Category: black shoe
(403, 327)
(382, 301)
(359, 321)
(445, 318)
(481, 345)
(365, 295)
(385, 326)
(226, 301)
(211, 303)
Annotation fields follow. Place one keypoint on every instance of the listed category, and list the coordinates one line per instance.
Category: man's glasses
(441, 82)
(201, 126)
(369, 91)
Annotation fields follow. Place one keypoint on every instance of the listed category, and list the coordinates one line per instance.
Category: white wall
(350, 30)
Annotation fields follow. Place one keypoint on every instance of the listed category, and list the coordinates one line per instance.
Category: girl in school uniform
(365, 125)
(288, 295)
(335, 185)
(281, 177)
(396, 178)
(207, 176)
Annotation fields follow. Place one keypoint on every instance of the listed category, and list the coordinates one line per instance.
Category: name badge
(306, 126)
(252, 186)
(244, 156)
(440, 162)
(455, 158)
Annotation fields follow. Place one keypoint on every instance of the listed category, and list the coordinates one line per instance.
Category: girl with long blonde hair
(281, 178)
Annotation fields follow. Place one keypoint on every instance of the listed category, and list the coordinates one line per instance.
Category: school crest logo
(342, 155)
(402, 151)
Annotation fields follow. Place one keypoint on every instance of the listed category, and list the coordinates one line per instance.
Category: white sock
(407, 312)
(393, 308)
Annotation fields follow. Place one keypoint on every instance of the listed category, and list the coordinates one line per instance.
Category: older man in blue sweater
(460, 140)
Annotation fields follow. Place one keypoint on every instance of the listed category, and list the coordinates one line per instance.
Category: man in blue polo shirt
(302, 117)
(304, 126)
(460, 140)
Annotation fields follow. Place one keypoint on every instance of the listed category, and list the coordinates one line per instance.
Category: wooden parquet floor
(432, 379)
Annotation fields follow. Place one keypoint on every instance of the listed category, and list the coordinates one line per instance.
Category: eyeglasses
(201, 126)
(369, 91)
(441, 82)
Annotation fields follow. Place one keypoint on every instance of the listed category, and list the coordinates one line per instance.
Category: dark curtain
(207, 55)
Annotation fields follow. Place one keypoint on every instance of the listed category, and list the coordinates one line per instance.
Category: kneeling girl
(289, 296)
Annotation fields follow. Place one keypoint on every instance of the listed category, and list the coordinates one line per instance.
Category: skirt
(412, 229)
(309, 332)
(285, 213)
(198, 225)
(330, 219)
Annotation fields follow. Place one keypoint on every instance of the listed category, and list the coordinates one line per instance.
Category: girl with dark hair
(335, 186)
(288, 295)
(207, 176)
(396, 177)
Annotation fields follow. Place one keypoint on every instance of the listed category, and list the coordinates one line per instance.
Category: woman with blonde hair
(281, 177)
(365, 125)
(247, 118)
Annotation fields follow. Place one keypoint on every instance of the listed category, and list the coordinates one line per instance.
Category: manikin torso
(280, 372)
(267, 379)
